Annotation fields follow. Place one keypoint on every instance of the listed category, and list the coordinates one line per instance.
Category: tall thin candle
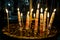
(36, 20)
(48, 23)
(41, 22)
(45, 13)
(27, 21)
(52, 18)
(7, 19)
(19, 18)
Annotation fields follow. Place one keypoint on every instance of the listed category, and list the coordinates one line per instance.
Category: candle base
(35, 33)
(27, 32)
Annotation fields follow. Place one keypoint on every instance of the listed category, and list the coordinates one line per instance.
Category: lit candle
(41, 22)
(47, 23)
(7, 18)
(19, 18)
(52, 18)
(31, 17)
(45, 13)
(36, 20)
(47, 19)
(31, 14)
(27, 21)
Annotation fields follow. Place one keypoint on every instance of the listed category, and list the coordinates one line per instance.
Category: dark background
(51, 4)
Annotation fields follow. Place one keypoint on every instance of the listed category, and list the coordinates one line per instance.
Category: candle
(41, 22)
(31, 14)
(19, 19)
(7, 18)
(52, 18)
(27, 21)
(44, 26)
(36, 20)
(47, 19)
(31, 17)
(48, 23)
(22, 19)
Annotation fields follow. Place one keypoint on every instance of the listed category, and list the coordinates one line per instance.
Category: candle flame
(6, 10)
(41, 9)
(28, 12)
(18, 9)
(38, 5)
(32, 9)
(48, 15)
(46, 9)
(34, 15)
(54, 10)
(21, 14)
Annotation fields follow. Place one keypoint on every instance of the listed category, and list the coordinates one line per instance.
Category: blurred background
(12, 6)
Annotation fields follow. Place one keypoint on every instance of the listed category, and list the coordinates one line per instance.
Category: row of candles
(43, 17)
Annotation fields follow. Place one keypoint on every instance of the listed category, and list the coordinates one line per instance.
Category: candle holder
(26, 34)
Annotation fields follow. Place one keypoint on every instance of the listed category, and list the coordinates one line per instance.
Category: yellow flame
(34, 15)
(28, 12)
(54, 10)
(41, 9)
(18, 9)
(32, 9)
(48, 14)
(6, 10)
(46, 9)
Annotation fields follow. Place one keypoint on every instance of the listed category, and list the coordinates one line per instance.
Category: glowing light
(46, 9)
(54, 10)
(6, 10)
(18, 9)
(41, 9)
(31, 9)
(38, 5)
(8, 4)
(34, 15)
(21, 14)
(28, 12)
(48, 14)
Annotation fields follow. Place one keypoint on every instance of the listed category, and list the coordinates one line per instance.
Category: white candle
(31, 13)
(45, 13)
(36, 20)
(48, 23)
(7, 19)
(41, 22)
(47, 19)
(19, 18)
(27, 21)
(31, 16)
(52, 18)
